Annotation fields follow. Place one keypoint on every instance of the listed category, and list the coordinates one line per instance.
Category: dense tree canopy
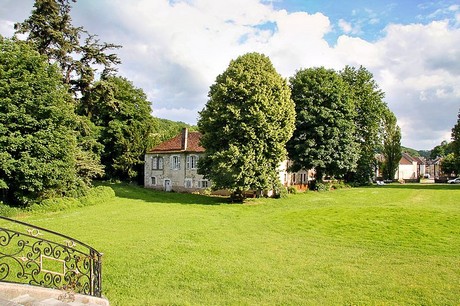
(456, 145)
(122, 113)
(391, 146)
(50, 30)
(441, 150)
(370, 110)
(324, 135)
(37, 139)
(246, 123)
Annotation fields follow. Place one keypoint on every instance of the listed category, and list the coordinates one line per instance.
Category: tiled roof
(406, 159)
(177, 143)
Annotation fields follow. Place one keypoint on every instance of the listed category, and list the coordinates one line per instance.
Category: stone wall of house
(176, 172)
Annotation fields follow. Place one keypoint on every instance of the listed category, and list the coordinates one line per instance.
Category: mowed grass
(386, 245)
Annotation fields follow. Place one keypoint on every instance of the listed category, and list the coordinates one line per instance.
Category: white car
(454, 181)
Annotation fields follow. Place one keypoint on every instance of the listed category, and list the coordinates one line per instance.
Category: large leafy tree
(122, 113)
(456, 145)
(391, 146)
(441, 150)
(50, 30)
(37, 140)
(324, 135)
(370, 110)
(246, 123)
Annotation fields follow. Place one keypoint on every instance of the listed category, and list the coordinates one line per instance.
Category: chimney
(184, 139)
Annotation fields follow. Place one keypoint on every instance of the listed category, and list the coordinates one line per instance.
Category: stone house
(173, 164)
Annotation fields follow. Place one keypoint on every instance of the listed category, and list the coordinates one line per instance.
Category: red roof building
(184, 142)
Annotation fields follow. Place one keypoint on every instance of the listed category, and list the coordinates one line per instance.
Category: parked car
(454, 181)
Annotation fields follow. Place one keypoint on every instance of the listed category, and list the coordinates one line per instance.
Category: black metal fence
(36, 256)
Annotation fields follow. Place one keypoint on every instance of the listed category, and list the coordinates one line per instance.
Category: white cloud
(345, 26)
(6, 28)
(175, 49)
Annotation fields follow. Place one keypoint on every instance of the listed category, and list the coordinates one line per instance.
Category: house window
(175, 162)
(188, 183)
(304, 177)
(192, 162)
(157, 163)
(203, 184)
(153, 181)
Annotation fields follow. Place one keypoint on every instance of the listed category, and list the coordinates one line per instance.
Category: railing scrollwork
(36, 256)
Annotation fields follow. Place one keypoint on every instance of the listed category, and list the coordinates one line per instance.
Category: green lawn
(394, 244)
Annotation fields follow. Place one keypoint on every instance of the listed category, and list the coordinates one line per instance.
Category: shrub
(93, 197)
(322, 186)
(292, 189)
(7, 211)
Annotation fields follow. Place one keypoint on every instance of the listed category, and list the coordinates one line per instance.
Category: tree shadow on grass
(135, 192)
(417, 186)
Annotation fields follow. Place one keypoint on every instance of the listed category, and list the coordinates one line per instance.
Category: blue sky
(174, 49)
(370, 18)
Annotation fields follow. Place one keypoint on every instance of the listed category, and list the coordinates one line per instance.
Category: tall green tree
(324, 135)
(37, 140)
(122, 113)
(456, 145)
(448, 164)
(391, 146)
(369, 113)
(246, 123)
(78, 54)
(50, 30)
(441, 150)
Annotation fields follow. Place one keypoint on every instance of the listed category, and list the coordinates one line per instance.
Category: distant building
(408, 168)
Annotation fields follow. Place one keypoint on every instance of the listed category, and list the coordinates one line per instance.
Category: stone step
(6, 302)
(23, 299)
(26, 295)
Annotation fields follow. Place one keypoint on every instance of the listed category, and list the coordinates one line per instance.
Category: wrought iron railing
(40, 257)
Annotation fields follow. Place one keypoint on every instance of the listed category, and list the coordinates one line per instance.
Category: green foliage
(391, 147)
(8, 211)
(423, 153)
(411, 152)
(324, 135)
(329, 185)
(94, 196)
(455, 145)
(292, 189)
(37, 141)
(441, 150)
(122, 114)
(165, 129)
(370, 109)
(245, 125)
(448, 164)
(50, 30)
(88, 160)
